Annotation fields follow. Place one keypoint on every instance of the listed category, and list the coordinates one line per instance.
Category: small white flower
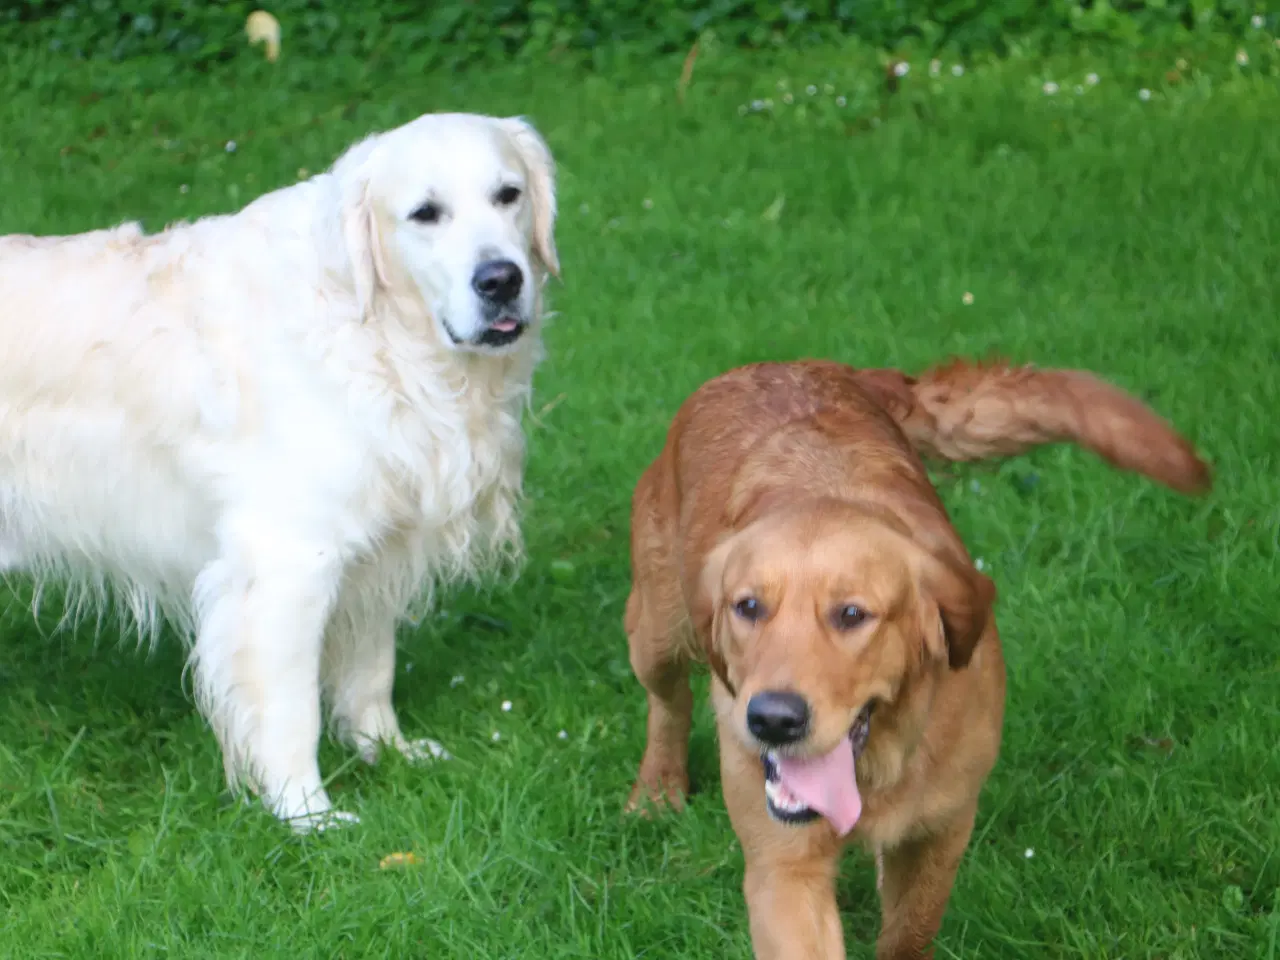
(231, 146)
(980, 564)
(496, 736)
(957, 70)
(506, 706)
(901, 68)
(183, 189)
(935, 67)
(1091, 79)
(647, 203)
(1144, 94)
(457, 680)
(1030, 853)
(1050, 88)
(967, 299)
(841, 101)
(757, 104)
(787, 98)
(1257, 21)
(563, 734)
(1242, 58)
(811, 89)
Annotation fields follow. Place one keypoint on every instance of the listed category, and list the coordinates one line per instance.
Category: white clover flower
(1257, 21)
(1091, 79)
(841, 101)
(901, 68)
(957, 70)
(811, 89)
(1050, 88)
(1144, 94)
(1242, 58)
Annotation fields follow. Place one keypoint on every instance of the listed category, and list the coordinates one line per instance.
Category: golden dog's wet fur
(800, 485)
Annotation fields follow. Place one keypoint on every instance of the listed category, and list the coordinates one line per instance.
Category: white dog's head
(459, 210)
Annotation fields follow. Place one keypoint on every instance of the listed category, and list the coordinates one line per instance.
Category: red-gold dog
(789, 536)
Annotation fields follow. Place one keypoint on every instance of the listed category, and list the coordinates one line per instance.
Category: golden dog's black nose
(498, 281)
(777, 718)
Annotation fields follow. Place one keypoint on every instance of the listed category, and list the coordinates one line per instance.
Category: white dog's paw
(420, 751)
(320, 822)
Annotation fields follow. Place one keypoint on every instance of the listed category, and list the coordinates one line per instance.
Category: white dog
(280, 427)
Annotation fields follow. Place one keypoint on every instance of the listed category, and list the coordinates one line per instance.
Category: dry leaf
(262, 27)
(398, 860)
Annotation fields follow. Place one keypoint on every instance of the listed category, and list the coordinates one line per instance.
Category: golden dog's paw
(658, 796)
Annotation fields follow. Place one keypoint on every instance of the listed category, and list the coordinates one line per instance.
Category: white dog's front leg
(257, 670)
(359, 675)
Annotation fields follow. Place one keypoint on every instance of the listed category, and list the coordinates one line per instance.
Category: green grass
(1137, 239)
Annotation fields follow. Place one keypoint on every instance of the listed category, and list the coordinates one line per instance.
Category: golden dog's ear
(956, 606)
(706, 605)
(354, 172)
(540, 168)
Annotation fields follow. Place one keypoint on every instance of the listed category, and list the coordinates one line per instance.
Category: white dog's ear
(354, 174)
(541, 169)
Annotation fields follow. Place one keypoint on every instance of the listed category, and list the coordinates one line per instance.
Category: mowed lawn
(1135, 811)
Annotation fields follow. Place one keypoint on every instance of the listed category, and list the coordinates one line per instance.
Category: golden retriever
(788, 534)
(282, 426)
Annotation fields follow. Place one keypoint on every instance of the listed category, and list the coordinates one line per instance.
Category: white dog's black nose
(778, 718)
(497, 280)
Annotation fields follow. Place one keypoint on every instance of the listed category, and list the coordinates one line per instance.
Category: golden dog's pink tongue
(825, 784)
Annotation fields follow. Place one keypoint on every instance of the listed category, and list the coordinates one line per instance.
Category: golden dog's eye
(749, 609)
(429, 212)
(849, 617)
(506, 196)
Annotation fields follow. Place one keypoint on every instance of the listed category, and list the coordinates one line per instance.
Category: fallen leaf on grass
(409, 859)
(262, 27)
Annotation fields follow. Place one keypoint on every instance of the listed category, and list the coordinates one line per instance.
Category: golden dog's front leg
(917, 881)
(790, 870)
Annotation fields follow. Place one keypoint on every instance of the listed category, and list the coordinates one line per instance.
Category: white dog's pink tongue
(506, 325)
(826, 784)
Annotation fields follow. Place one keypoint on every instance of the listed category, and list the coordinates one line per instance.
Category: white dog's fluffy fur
(281, 427)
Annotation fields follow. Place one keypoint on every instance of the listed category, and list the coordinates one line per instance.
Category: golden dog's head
(813, 615)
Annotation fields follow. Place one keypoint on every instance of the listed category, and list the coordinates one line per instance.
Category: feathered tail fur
(976, 411)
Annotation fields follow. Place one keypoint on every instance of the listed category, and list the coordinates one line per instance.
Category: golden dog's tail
(967, 411)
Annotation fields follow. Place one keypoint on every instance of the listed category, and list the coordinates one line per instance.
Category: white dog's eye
(429, 212)
(506, 196)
